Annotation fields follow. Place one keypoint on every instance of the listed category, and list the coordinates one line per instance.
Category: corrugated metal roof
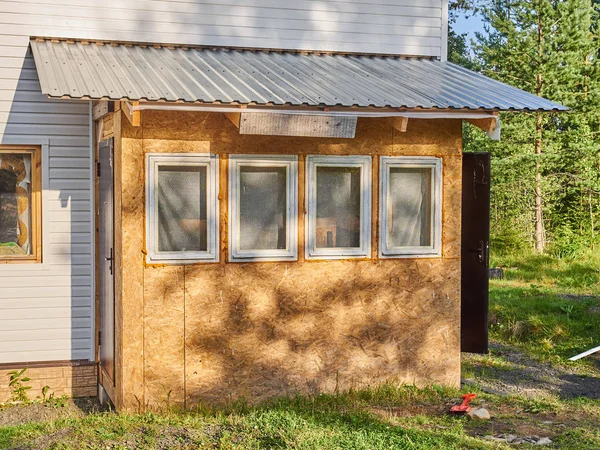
(137, 72)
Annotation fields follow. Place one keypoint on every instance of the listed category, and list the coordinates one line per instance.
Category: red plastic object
(464, 407)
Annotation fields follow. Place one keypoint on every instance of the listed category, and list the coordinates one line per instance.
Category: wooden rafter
(401, 124)
(133, 114)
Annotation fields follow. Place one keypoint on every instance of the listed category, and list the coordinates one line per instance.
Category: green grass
(575, 275)
(546, 306)
(355, 420)
(388, 417)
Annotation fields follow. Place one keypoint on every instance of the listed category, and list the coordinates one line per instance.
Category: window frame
(365, 163)
(290, 162)
(211, 162)
(417, 162)
(36, 204)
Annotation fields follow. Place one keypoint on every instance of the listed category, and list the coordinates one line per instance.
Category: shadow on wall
(56, 297)
(330, 23)
(220, 332)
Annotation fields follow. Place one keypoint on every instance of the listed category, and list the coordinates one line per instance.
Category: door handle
(482, 252)
(110, 258)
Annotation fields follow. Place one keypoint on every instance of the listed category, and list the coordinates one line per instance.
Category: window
(20, 204)
(411, 207)
(338, 192)
(263, 208)
(182, 207)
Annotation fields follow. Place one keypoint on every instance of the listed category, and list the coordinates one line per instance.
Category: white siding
(369, 26)
(46, 310)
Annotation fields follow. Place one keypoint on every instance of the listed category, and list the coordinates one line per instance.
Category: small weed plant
(17, 380)
(56, 402)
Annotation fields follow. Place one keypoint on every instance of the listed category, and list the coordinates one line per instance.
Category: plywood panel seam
(184, 339)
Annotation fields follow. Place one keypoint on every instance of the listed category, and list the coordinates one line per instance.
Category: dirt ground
(37, 412)
(526, 376)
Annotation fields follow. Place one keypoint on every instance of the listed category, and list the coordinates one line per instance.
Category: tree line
(546, 168)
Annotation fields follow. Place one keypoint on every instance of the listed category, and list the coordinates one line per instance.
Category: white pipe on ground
(584, 354)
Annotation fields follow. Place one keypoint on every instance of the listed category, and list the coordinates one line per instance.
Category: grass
(355, 420)
(546, 306)
(387, 417)
(529, 310)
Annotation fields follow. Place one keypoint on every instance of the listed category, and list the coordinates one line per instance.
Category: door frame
(106, 382)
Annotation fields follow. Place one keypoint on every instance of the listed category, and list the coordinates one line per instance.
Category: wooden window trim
(426, 162)
(211, 162)
(364, 163)
(290, 162)
(36, 204)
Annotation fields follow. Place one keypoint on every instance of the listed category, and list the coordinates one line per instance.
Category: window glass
(182, 209)
(263, 216)
(16, 181)
(338, 207)
(182, 216)
(263, 208)
(410, 207)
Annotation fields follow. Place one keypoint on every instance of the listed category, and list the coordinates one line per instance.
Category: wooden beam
(133, 115)
(102, 108)
(234, 117)
(401, 124)
(487, 125)
(491, 126)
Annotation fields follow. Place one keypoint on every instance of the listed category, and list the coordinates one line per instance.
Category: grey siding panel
(378, 26)
(46, 310)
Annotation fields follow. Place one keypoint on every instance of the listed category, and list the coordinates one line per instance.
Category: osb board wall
(215, 332)
(74, 381)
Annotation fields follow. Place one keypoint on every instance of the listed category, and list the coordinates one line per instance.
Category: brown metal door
(106, 335)
(475, 252)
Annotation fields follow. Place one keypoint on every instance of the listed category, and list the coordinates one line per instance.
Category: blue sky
(468, 25)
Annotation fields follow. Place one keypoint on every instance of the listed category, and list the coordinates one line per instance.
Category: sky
(468, 25)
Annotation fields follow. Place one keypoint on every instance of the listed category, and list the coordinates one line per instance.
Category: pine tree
(546, 170)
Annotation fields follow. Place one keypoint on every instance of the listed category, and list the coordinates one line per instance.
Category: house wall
(46, 309)
(376, 26)
(73, 380)
(219, 331)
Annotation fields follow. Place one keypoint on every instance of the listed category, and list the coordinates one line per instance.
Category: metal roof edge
(217, 47)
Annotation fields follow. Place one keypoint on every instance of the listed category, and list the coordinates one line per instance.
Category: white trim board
(427, 162)
(364, 163)
(211, 162)
(290, 163)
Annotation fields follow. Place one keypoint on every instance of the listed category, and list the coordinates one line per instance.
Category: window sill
(31, 260)
(437, 255)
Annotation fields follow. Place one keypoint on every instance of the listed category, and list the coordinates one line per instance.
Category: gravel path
(517, 373)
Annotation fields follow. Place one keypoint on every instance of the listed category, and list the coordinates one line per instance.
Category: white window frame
(364, 163)
(290, 163)
(211, 162)
(408, 162)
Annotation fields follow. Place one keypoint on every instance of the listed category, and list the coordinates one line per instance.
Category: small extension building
(207, 201)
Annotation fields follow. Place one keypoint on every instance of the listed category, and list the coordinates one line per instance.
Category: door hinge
(98, 169)
(99, 338)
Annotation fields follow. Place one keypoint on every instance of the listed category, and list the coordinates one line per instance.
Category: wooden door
(106, 334)
(475, 252)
